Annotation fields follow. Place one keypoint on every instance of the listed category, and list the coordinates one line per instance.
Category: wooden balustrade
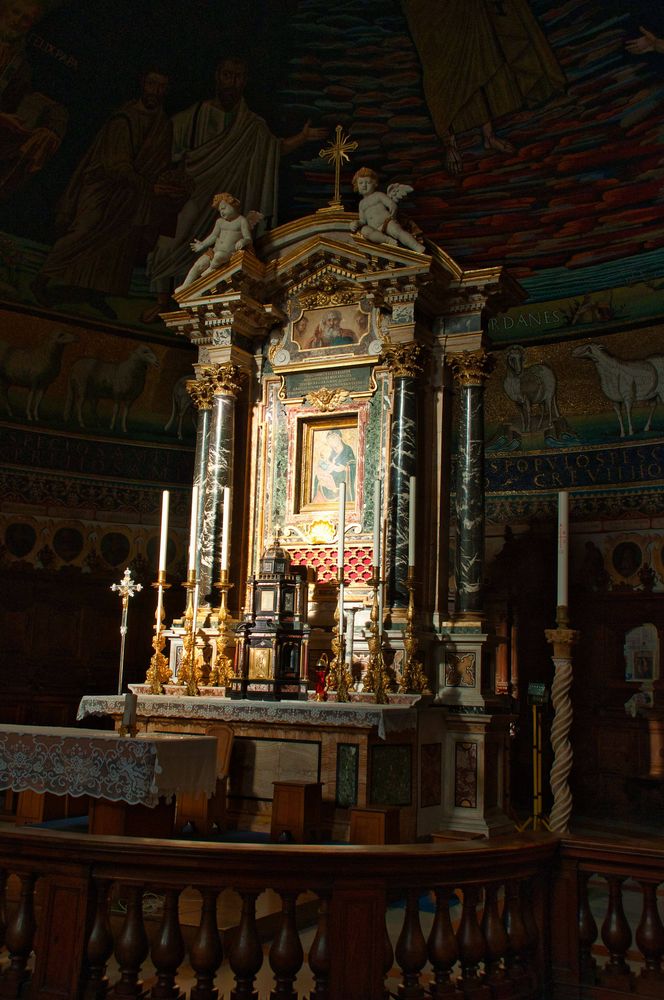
(527, 917)
(607, 936)
(89, 955)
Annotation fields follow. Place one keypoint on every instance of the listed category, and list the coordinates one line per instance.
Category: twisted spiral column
(562, 640)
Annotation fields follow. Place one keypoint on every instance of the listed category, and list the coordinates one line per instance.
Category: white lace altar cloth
(384, 718)
(106, 765)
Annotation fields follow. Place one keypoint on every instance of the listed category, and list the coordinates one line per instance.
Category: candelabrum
(158, 672)
(188, 674)
(376, 673)
(562, 638)
(413, 679)
(339, 677)
(222, 671)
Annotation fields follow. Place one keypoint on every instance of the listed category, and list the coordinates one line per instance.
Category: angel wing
(253, 218)
(398, 191)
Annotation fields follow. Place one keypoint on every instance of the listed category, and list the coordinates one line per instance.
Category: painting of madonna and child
(337, 326)
(329, 458)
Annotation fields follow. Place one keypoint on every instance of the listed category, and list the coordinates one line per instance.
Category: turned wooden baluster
(132, 946)
(495, 936)
(442, 948)
(246, 953)
(388, 956)
(411, 949)
(206, 953)
(650, 938)
(532, 934)
(3, 905)
(616, 933)
(470, 941)
(319, 953)
(100, 946)
(19, 938)
(286, 955)
(587, 932)
(517, 936)
(168, 950)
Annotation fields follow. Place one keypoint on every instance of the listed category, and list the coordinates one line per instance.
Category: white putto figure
(231, 232)
(377, 210)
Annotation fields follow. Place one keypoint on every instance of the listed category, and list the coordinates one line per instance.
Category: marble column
(470, 369)
(202, 394)
(404, 361)
(227, 381)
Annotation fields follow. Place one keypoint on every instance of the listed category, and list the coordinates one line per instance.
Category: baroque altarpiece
(324, 358)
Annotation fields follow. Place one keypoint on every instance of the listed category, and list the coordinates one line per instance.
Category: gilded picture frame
(327, 456)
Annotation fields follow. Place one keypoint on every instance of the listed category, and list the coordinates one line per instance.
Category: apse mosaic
(535, 142)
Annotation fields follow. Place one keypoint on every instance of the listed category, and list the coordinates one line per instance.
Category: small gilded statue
(377, 222)
(231, 232)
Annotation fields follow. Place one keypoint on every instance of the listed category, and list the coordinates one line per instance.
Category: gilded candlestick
(374, 678)
(222, 671)
(188, 674)
(158, 672)
(413, 679)
(339, 677)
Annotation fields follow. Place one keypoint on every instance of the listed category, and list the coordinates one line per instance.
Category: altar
(363, 754)
(332, 360)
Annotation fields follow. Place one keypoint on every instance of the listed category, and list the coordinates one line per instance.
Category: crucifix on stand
(337, 153)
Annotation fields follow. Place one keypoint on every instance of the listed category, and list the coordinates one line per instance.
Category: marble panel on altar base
(256, 764)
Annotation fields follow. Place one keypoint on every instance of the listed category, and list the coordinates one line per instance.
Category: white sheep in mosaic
(181, 404)
(32, 368)
(92, 379)
(625, 383)
(529, 386)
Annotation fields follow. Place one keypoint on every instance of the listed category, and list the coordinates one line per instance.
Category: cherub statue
(377, 210)
(231, 232)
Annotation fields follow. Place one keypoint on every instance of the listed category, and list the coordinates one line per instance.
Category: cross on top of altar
(337, 153)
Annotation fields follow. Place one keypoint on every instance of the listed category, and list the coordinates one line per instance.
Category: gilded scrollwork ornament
(471, 367)
(329, 292)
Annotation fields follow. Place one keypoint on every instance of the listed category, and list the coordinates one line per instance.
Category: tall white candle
(376, 530)
(381, 584)
(225, 526)
(350, 636)
(411, 522)
(341, 529)
(192, 529)
(163, 541)
(563, 548)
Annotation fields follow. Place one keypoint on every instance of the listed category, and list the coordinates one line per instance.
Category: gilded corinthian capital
(471, 367)
(201, 393)
(403, 360)
(229, 379)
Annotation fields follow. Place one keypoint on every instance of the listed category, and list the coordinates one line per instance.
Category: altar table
(361, 753)
(131, 782)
